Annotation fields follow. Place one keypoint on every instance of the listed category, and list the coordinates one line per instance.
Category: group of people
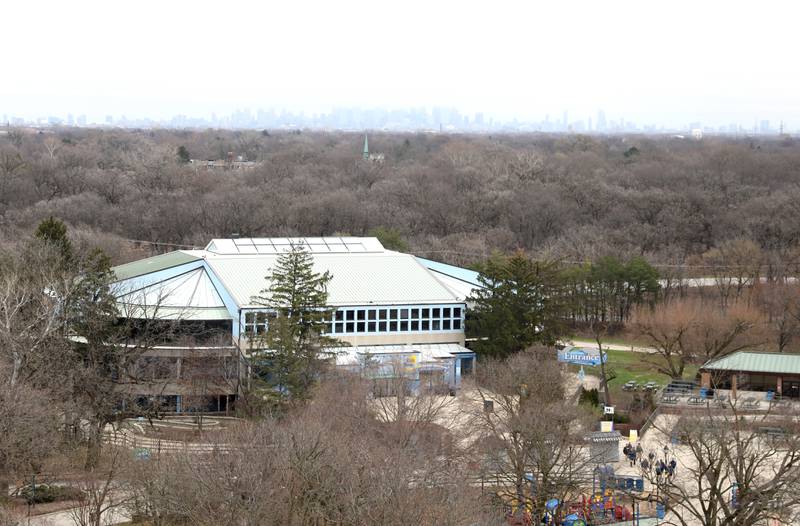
(664, 469)
(632, 453)
(649, 464)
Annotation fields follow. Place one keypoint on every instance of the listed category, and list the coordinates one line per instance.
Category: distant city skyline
(654, 64)
(442, 119)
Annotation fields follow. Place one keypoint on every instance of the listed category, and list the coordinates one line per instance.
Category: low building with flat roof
(384, 304)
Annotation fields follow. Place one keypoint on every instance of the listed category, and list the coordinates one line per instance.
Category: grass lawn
(635, 366)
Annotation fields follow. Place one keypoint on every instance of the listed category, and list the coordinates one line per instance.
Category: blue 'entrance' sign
(580, 356)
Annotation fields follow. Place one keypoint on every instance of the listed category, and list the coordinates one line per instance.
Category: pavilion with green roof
(754, 371)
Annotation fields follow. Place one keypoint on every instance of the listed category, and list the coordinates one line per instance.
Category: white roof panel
(277, 245)
(428, 352)
(192, 289)
(358, 279)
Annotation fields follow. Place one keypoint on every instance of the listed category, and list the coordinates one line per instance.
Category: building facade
(387, 307)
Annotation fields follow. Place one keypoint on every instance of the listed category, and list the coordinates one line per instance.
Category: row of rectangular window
(375, 320)
(392, 326)
(398, 314)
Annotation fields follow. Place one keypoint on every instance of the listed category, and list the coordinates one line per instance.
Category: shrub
(45, 493)
(590, 397)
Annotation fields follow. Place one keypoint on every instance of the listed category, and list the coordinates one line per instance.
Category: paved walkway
(64, 518)
(588, 344)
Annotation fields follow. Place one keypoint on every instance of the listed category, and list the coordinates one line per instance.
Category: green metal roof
(153, 264)
(757, 362)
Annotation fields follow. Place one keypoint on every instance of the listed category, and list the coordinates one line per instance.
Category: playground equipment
(601, 507)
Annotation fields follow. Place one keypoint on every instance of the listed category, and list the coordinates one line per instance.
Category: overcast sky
(667, 62)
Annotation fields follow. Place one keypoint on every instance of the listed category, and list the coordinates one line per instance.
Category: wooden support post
(705, 380)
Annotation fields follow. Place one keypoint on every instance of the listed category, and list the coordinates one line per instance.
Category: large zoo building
(387, 307)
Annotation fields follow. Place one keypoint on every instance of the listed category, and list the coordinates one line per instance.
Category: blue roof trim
(459, 273)
(227, 298)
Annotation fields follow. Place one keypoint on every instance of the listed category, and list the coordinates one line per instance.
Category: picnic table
(670, 399)
(696, 400)
(750, 403)
(773, 432)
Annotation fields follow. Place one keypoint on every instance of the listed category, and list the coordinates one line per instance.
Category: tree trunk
(94, 445)
(606, 391)
(4, 480)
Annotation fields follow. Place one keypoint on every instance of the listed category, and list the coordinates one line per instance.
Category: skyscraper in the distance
(601, 121)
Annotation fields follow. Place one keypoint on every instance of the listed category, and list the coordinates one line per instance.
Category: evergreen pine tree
(97, 364)
(519, 305)
(54, 232)
(293, 346)
(183, 155)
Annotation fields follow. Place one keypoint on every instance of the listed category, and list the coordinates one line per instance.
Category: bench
(696, 400)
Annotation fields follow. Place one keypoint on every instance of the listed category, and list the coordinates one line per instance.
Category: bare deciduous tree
(732, 470)
(692, 331)
(532, 434)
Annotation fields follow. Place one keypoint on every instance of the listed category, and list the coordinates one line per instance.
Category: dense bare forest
(455, 198)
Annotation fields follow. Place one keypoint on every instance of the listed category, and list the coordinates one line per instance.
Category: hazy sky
(668, 62)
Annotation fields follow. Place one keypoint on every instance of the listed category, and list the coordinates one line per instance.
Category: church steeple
(366, 147)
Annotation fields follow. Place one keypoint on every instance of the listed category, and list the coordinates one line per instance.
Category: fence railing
(650, 420)
(157, 445)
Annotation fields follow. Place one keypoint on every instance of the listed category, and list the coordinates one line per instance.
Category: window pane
(382, 326)
(339, 328)
(392, 326)
(457, 324)
(250, 317)
(392, 314)
(361, 314)
(339, 315)
(457, 312)
(446, 325)
(360, 326)
(446, 312)
(426, 313)
(371, 326)
(414, 325)
(351, 327)
(328, 328)
(435, 313)
(372, 314)
(383, 314)
(436, 325)
(425, 325)
(403, 325)
(351, 315)
(403, 314)
(415, 313)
